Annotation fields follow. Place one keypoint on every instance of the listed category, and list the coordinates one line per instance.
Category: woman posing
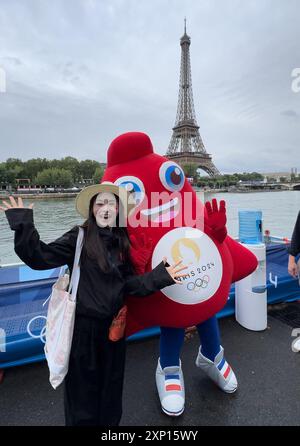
(94, 383)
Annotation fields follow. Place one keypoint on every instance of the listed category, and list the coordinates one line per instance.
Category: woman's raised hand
(173, 270)
(13, 204)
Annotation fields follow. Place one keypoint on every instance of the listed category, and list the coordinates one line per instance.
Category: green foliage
(9, 172)
(88, 168)
(98, 174)
(65, 172)
(227, 180)
(54, 177)
(32, 167)
(190, 170)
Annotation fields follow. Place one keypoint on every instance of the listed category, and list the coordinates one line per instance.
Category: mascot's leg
(211, 356)
(169, 376)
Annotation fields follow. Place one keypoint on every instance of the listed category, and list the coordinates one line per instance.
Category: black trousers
(94, 383)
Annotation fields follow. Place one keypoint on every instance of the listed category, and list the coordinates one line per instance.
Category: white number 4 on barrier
(2, 341)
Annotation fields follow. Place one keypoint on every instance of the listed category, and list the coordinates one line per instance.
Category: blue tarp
(23, 292)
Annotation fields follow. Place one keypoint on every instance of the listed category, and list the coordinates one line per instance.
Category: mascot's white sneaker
(170, 387)
(218, 371)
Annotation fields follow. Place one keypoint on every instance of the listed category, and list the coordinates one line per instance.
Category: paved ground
(268, 373)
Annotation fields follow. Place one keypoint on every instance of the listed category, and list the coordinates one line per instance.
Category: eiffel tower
(186, 145)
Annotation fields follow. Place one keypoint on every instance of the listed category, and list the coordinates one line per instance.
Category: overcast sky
(80, 72)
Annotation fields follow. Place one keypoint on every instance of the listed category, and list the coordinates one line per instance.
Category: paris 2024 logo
(202, 257)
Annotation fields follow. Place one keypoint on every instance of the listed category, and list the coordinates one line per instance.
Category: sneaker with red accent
(170, 387)
(218, 371)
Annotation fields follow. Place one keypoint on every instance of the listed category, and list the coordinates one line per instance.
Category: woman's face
(105, 209)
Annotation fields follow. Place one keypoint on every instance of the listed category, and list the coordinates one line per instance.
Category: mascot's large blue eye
(134, 186)
(172, 176)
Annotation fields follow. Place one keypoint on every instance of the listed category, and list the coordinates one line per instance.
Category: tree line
(64, 172)
(69, 171)
(225, 180)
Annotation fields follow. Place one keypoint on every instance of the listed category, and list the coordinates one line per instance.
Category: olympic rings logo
(42, 334)
(198, 284)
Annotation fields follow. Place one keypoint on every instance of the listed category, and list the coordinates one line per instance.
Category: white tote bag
(60, 320)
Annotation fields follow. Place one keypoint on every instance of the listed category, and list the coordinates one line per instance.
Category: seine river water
(53, 217)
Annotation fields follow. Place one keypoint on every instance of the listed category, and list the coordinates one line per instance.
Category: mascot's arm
(215, 220)
(140, 252)
(244, 261)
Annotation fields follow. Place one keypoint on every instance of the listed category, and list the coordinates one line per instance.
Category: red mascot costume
(168, 211)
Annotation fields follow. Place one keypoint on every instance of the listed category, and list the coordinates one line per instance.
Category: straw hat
(83, 199)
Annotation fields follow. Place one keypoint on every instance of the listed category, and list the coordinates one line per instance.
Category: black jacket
(294, 249)
(99, 294)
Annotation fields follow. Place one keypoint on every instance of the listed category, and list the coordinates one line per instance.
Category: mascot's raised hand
(216, 219)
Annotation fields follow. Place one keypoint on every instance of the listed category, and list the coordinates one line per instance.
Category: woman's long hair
(93, 244)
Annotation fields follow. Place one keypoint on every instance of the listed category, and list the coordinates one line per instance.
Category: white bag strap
(76, 269)
(62, 270)
(61, 273)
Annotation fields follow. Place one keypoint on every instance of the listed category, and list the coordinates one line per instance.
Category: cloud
(12, 60)
(290, 113)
